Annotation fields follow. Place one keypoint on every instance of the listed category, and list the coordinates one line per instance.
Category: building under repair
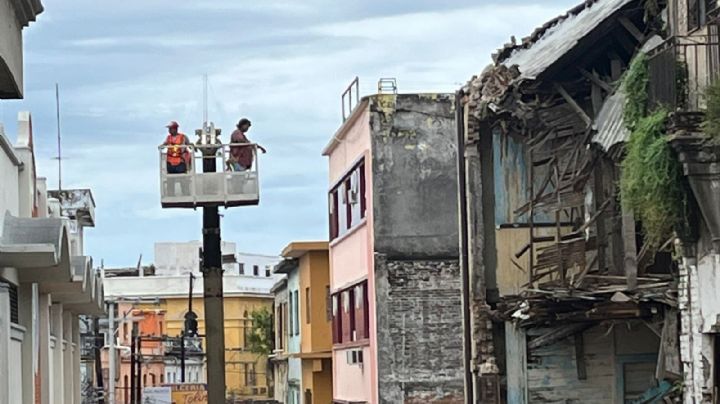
(575, 295)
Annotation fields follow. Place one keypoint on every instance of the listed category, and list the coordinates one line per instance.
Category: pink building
(395, 278)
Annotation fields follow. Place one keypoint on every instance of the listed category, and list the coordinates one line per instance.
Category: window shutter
(336, 320)
(345, 316)
(359, 312)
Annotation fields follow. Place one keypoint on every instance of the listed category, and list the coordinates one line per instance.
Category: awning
(37, 247)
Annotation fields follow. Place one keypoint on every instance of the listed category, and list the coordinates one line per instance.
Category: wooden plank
(596, 80)
(629, 247)
(561, 90)
(557, 334)
(580, 356)
(632, 29)
(516, 346)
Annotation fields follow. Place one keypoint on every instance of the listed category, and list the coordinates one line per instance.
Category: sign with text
(189, 393)
(157, 395)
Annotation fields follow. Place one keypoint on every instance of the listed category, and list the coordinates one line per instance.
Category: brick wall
(419, 331)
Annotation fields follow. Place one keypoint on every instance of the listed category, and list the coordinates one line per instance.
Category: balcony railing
(681, 70)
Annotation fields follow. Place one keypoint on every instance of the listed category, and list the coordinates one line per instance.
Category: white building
(256, 265)
(173, 258)
(182, 258)
(46, 282)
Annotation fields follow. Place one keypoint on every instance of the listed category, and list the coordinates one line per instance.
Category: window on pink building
(347, 201)
(351, 314)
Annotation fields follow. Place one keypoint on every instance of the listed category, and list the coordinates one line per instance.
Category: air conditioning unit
(355, 357)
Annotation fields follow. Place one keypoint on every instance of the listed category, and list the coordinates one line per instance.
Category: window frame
(357, 314)
(341, 202)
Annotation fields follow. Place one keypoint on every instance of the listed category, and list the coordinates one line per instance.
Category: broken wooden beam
(597, 80)
(632, 29)
(557, 334)
(575, 106)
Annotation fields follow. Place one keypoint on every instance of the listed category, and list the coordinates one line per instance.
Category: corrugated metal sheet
(562, 37)
(609, 124)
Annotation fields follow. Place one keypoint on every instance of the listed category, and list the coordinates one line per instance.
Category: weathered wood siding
(552, 371)
(619, 358)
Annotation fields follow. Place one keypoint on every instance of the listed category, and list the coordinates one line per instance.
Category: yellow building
(245, 373)
(246, 376)
(309, 271)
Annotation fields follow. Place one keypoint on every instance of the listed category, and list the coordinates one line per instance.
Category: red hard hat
(172, 124)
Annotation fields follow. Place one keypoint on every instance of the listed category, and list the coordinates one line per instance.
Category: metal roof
(546, 48)
(609, 123)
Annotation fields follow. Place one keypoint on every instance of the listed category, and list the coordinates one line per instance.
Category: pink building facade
(375, 164)
(351, 259)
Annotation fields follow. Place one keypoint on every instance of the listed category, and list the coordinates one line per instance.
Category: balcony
(680, 71)
(197, 189)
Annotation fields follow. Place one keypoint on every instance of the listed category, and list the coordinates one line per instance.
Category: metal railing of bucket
(231, 185)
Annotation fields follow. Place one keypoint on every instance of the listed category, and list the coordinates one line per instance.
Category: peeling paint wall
(619, 357)
(415, 228)
(698, 298)
(414, 171)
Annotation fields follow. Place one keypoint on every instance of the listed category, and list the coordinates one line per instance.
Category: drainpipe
(464, 267)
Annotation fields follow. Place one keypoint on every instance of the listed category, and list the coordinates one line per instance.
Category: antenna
(59, 144)
(205, 100)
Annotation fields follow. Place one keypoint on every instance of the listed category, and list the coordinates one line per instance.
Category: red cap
(172, 124)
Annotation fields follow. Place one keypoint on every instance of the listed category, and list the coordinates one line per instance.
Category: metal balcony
(681, 69)
(222, 188)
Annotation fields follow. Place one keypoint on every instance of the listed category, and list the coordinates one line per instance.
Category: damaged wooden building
(573, 295)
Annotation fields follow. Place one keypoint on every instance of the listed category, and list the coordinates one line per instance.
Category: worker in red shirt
(179, 158)
(241, 157)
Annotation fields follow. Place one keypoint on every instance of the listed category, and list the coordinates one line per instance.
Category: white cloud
(287, 79)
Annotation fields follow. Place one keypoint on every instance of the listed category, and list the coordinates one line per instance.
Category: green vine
(635, 86)
(261, 339)
(711, 124)
(651, 182)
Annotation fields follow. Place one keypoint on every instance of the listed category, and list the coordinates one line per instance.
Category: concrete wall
(414, 171)
(9, 178)
(11, 51)
(419, 331)
(415, 234)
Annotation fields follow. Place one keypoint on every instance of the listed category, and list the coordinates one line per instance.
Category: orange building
(148, 323)
(307, 266)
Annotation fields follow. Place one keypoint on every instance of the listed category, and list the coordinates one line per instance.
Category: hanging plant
(711, 123)
(651, 182)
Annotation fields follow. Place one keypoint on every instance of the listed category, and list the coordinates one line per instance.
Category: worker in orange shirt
(178, 156)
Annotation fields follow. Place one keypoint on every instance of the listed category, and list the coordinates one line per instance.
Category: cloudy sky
(126, 68)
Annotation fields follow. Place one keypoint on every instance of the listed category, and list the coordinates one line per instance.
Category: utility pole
(139, 362)
(132, 365)
(59, 143)
(189, 330)
(213, 278)
(98, 360)
(111, 353)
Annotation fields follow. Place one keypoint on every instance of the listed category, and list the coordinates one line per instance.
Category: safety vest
(176, 151)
